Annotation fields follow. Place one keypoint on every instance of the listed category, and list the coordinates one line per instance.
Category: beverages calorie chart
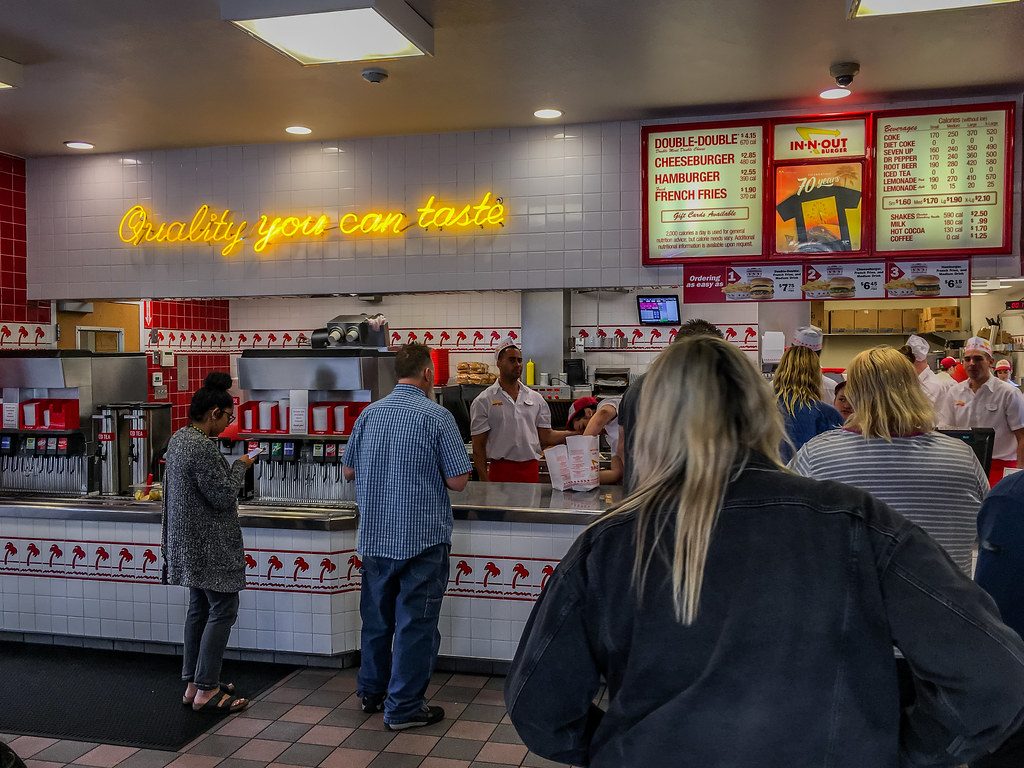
(941, 181)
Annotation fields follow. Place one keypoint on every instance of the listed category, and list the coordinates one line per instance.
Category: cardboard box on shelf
(818, 315)
(930, 313)
(984, 333)
(943, 324)
(890, 321)
(840, 321)
(911, 320)
(865, 321)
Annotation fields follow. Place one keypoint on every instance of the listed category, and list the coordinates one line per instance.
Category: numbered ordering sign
(942, 181)
(703, 191)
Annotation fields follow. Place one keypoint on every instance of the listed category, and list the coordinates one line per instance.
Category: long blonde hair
(886, 395)
(797, 380)
(703, 409)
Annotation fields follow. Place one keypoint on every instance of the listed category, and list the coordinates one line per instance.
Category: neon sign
(138, 228)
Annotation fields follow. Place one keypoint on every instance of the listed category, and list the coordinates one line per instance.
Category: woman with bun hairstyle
(202, 542)
(797, 384)
(727, 599)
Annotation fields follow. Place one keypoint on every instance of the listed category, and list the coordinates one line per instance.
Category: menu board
(844, 281)
(928, 279)
(703, 188)
(818, 207)
(941, 181)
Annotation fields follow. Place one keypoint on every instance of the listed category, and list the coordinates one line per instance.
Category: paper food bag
(574, 466)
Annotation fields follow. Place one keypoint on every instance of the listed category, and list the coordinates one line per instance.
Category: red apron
(995, 473)
(504, 471)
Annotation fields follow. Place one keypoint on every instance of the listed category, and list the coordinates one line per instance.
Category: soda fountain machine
(303, 403)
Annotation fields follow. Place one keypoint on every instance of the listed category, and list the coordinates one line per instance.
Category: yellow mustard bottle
(530, 372)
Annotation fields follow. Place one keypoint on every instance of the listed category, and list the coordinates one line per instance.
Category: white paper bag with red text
(557, 457)
(584, 461)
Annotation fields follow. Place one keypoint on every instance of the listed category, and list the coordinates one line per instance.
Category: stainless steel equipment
(133, 438)
(57, 455)
(350, 363)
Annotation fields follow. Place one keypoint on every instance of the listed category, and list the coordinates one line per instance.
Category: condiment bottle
(530, 369)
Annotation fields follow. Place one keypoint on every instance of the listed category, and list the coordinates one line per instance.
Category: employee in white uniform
(985, 401)
(1004, 370)
(510, 424)
(937, 391)
(590, 417)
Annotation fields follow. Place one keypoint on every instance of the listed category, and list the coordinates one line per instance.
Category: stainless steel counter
(504, 502)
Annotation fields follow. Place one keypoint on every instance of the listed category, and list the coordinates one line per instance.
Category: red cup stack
(441, 370)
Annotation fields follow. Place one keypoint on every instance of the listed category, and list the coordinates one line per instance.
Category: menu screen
(941, 181)
(703, 195)
(658, 310)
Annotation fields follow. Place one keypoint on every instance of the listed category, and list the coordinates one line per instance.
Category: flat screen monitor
(981, 440)
(658, 310)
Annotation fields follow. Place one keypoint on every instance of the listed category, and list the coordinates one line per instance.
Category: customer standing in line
(404, 453)
(798, 386)
(985, 401)
(727, 602)
(631, 399)
(889, 448)
(202, 542)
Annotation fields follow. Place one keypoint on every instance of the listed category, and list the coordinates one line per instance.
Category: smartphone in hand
(254, 452)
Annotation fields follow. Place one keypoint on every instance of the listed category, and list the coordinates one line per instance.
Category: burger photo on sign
(762, 288)
(842, 288)
(926, 285)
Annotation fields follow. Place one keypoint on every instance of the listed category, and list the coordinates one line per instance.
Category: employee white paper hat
(918, 346)
(977, 343)
(808, 336)
(504, 344)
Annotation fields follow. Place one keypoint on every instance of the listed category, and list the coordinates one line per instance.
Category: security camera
(375, 75)
(844, 73)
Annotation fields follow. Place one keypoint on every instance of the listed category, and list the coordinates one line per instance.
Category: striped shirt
(932, 480)
(402, 448)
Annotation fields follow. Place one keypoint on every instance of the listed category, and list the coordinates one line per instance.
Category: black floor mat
(110, 697)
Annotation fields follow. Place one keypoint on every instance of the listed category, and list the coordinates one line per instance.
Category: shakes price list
(704, 192)
(941, 181)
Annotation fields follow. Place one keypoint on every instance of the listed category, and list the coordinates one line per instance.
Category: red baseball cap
(578, 406)
(947, 362)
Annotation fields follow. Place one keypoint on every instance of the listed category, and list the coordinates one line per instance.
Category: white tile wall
(473, 626)
(572, 215)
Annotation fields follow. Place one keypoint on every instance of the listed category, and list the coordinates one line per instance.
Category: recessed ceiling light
(345, 30)
(857, 8)
(298, 130)
(78, 145)
(548, 114)
(835, 93)
(10, 74)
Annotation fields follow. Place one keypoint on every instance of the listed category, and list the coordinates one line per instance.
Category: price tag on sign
(137, 433)
(786, 289)
(869, 285)
(955, 283)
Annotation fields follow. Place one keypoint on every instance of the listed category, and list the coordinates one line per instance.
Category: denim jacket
(807, 588)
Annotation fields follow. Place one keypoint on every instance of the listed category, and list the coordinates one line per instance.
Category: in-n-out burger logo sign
(833, 146)
(138, 228)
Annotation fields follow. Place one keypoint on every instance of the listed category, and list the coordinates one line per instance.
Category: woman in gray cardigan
(202, 542)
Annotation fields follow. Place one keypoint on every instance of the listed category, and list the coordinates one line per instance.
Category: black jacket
(807, 587)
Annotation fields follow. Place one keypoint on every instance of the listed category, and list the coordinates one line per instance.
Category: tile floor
(313, 719)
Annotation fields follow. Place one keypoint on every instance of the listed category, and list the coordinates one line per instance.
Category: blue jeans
(207, 628)
(399, 604)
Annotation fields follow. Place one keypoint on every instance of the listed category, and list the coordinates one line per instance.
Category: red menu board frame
(1004, 247)
(645, 133)
(871, 163)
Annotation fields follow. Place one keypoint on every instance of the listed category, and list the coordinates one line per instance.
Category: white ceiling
(157, 74)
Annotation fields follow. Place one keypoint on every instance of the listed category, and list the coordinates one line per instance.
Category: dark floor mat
(110, 697)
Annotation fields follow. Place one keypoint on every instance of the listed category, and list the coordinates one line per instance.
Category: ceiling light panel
(858, 8)
(10, 74)
(326, 32)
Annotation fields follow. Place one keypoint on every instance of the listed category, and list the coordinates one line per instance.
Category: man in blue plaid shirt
(404, 453)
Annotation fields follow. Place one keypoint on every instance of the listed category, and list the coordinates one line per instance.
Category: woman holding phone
(202, 542)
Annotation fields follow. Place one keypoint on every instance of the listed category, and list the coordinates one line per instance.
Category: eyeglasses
(231, 417)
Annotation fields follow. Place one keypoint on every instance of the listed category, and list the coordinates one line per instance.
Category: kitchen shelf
(281, 438)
